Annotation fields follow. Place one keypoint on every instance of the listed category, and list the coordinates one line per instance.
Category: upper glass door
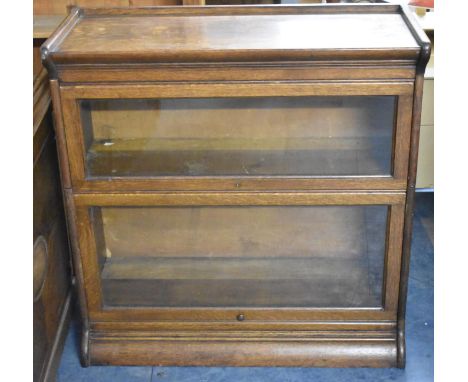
(258, 137)
(276, 136)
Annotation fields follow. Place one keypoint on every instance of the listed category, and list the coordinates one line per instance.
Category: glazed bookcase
(239, 181)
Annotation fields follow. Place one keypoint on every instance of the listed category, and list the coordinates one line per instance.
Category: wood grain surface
(234, 34)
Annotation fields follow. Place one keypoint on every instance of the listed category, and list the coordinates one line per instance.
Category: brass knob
(240, 317)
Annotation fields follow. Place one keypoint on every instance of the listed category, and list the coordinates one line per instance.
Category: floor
(420, 336)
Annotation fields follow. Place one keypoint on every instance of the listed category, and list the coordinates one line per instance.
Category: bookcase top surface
(210, 34)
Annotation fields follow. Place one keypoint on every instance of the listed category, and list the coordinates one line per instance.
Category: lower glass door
(241, 256)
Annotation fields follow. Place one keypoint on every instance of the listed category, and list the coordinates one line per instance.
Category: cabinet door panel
(215, 140)
(309, 257)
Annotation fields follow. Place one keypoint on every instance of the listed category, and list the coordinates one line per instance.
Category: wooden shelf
(239, 282)
(280, 156)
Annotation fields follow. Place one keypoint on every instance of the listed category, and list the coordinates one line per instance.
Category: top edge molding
(54, 53)
(261, 9)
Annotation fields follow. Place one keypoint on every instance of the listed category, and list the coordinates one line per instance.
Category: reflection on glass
(251, 256)
(252, 136)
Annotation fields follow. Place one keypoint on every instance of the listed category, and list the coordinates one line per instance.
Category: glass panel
(318, 136)
(249, 256)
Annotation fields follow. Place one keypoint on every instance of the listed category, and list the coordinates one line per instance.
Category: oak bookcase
(239, 181)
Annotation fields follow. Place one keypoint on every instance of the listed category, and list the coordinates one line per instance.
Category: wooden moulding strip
(234, 326)
(245, 335)
(246, 10)
(285, 71)
(231, 184)
(246, 198)
(281, 89)
(237, 56)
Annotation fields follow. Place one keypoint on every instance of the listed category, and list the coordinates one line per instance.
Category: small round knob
(240, 317)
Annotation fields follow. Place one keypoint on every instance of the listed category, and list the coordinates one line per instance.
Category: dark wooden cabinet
(51, 264)
(239, 181)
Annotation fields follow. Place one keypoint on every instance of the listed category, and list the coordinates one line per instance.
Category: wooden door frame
(86, 255)
(74, 142)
